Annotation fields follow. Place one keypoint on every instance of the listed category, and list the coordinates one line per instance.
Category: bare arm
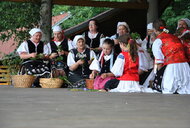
(76, 65)
(25, 55)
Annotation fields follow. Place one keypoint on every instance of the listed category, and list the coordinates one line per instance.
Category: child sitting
(101, 67)
(125, 68)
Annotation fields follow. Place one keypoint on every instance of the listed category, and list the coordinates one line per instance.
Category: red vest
(130, 72)
(172, 48)
(187, 50)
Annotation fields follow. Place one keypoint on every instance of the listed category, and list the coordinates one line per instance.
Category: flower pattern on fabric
(172, 49)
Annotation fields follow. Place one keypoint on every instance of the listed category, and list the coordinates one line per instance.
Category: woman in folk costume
(122, 29)
(173, 71)
(185, 38)
(125, 68)
(79, 60)
(101, 67)
(59, 52)
(146, 56)
(33, 51)
(93, 37)
(184, 22)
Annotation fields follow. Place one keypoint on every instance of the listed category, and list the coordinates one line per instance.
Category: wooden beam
(126, 5)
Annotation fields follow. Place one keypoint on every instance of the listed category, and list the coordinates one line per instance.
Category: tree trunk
(45, 19)
(152, 11)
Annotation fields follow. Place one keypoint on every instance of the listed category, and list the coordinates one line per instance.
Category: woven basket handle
(21, 70)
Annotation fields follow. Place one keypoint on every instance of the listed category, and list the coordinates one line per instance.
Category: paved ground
(61, 108)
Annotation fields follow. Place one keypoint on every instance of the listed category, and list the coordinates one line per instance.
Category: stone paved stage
(61, 108)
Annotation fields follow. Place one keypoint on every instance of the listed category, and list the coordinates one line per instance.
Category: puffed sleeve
(23, 48)
(70, 59)
(95, 65)
(157, 52)
(47, 49)
(118, 66)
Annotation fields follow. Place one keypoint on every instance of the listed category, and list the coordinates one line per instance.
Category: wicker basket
(23, 81)
(51, 82)
(89, 83)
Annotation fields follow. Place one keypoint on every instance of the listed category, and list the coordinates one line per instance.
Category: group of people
(120, 63)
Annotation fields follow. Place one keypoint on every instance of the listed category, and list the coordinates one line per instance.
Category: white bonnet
(150, 26)
(124, 24)
(34, 30)
(57, 29)
(187, 21)
(77, 37)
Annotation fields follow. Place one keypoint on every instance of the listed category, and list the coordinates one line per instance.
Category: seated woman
(125, 68)
(78, 61)
(173, 71)
(101, 67)
(122, 29)
(59, 51)
(33, 52)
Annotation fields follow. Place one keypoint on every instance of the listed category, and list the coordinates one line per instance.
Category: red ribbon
(161, 27)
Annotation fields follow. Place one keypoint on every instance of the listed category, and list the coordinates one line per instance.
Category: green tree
(178, 9)
(79, 14)
(17, 18)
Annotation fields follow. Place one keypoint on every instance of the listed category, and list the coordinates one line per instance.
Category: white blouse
(157, 52)
(24, 48)
(71, 57)
(118, 66)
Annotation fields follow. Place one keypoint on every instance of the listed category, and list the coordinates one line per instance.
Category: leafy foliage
(79, 14)
(177, 10)
(13, 61)
(17, 18)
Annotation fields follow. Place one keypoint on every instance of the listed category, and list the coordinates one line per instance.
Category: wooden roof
(142, 4)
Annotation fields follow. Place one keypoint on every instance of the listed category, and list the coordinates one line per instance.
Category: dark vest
(106, 65)
(82, 70)
(32, 48)
(92, 43)
(117, 48)
(64, 47)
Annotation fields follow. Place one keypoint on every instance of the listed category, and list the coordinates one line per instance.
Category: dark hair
(159, 25)
(124, 38)
(96, 22)
(109, 42)
(133, 49)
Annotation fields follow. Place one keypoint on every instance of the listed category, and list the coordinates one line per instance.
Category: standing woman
(33, 52)
(173, 71)
(93, 37)
(78, 61)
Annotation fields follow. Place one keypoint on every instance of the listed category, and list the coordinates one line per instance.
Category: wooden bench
(5, 78)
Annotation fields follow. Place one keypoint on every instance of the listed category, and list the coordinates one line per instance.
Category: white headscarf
(123, 24)
(150, 26)
(187, 21)
(34, 30)
(57, 29)
(77, 37)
